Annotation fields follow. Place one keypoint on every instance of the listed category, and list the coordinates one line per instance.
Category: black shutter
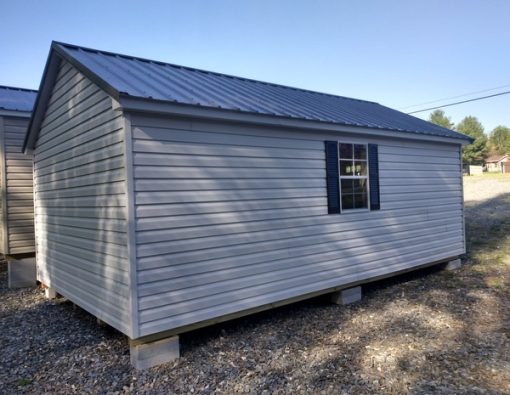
(332, 180)
(373, 174)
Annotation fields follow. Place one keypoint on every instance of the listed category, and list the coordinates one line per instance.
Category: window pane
(347, 201)
(360, 168)
(345, 151)
(360, 151)
(346, 168)
(348, 187)
(360, 200)
(359, 186)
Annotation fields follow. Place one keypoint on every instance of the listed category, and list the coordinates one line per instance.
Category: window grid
(354, 185)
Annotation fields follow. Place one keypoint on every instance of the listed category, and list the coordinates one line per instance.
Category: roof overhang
(14, 113)
(137, 105)
(41, 101)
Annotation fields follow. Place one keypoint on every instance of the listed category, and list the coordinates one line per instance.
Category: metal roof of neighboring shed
(495, 158)
(148, 81)
(17, 99)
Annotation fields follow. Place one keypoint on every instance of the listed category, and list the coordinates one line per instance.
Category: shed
(16, 200)
(168, 198)
(496, 163)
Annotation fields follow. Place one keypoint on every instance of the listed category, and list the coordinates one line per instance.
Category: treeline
(496, 143)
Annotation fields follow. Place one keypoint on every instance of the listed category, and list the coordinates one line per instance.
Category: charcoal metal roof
(17, 99)
(128, 76)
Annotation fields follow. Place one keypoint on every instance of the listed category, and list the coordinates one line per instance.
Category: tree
(438, 117)
(500, 140)
(475, 153)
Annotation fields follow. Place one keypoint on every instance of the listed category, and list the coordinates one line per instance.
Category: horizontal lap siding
(3, 178)
(231, 218)
(80, 199)
(19, 189)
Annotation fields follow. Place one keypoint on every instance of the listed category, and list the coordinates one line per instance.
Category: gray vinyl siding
(3, 192)
(18, 194)
(233, 217)
(80, 200)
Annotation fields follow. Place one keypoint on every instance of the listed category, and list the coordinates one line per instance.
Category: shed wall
(18, 193)
(3, 192)
(80, 200)
(233, 217)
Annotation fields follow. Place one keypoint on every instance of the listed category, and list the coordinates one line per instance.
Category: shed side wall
(3, 192)
(80, 199)
(233, 217)
(4, 249)
(19, 190)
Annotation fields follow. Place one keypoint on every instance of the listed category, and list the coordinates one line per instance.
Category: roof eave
(41, 101)
(142, 105)
(15, 113)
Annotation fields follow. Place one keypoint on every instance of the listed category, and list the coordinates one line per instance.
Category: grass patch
(23, 382)
(488, 234)
(495, 282)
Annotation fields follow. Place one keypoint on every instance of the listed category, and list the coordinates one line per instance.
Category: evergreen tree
(438, 117)
(476, 152)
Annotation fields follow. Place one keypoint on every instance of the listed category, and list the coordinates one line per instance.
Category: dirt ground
(428, 332)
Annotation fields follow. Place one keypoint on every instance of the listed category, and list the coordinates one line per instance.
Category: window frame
(340, 177)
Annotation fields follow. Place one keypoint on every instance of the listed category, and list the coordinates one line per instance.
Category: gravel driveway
(426, 332)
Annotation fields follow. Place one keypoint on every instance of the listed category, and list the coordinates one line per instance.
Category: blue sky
(397, 53)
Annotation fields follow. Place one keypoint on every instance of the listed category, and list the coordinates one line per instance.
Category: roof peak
(194, 69)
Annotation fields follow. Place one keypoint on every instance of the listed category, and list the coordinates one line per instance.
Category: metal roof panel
(153, 80)
(17, 99)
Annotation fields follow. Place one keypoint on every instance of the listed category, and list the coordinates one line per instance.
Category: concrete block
(147, 355)
(21, 273)
(346, 296)
(453, 265)
(50, 293)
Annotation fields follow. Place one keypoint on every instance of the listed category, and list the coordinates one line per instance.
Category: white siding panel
(231, 217)
(222, 161)
(18, 188)
(182, 301)
(264, 295)
(80, 200)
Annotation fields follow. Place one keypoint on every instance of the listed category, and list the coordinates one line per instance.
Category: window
(353, 173)
(352, 176)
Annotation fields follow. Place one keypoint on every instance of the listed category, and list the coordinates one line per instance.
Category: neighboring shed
(496, 163)
(168, 198)
(16, 202)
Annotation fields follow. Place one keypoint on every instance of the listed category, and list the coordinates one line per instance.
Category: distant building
(496, 163)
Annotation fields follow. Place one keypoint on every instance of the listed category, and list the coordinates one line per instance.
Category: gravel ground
(422, 333)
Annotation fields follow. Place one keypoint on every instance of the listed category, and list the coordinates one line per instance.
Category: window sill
(354, 210)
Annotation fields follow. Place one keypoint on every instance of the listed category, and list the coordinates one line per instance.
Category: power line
(461, 102)
(454, 97)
